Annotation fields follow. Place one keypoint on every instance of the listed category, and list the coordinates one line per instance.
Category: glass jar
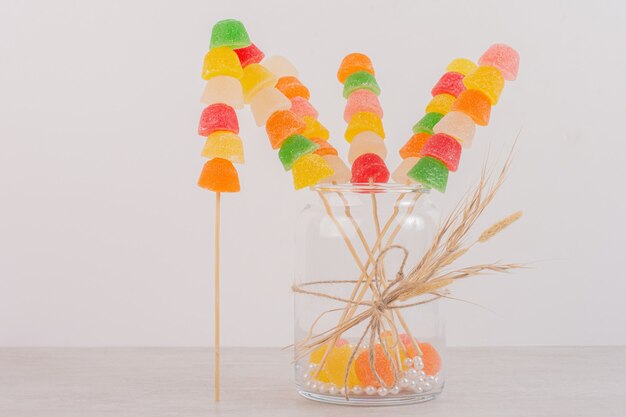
(355, 244)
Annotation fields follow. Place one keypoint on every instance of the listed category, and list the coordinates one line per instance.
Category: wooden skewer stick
(217, 296)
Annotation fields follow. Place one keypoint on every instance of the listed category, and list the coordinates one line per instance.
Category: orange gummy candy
(282, 124)
(325, 148)
(432, 360)
(352, 63)
(292, 87)
(382, 364)
(474, 104)
(219, 175)
(414, 146)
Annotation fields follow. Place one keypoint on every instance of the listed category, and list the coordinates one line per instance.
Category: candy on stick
(440, 103)
(294, 147)
(366, 142)
(360, 80)
(292, 87)
(362, 101)
(431, 172)
(282, 124)
(487, 80)
(445, 148)
(221, 61)
(255, 78)
(474, 104)
(399, 175)
(413, 148)
(223, 89)
(224, 145)
(426, 123)
(314, 129)
(352, 63)
(280, 66)
(502, 57)
(461, 65)
(301, 107)
(249, 55)
(309, 170)
(458, 125)
(266, 102)
(231, 33)
(218, 116)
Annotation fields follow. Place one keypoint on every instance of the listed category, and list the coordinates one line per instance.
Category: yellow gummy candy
(225, 145)
(362, 122)
(314, 129)
(461, 65)
(336, 365)
(309, 170)
(221, 61)
(487, 80)
(316, 357)
(440, 104)
(342, 172)
(255, 78)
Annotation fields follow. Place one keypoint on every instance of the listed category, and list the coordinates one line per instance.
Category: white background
(106, 240)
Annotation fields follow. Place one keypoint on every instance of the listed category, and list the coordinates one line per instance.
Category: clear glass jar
(345, 234)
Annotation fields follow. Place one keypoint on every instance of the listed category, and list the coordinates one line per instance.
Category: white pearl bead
(382, 391)
(357, 390)
(427, 386)
(404, 382)
(421, 381)
(297, 366)
(395, 390)
(418, 363)
(342, 391)
(418, 389)
(306, 375)
(314, 386)
(312, 366)
(408, 362)
(307, 384)
(430, 379)
(421, 374)
(322, 388)
(412, 373)
(370, 390)
(413, 384)
(332, 389)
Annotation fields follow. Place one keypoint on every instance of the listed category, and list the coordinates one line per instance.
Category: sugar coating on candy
(444, 148)
(487, 80)
(458, 125)
(382, 365)
(364, 122)
(302, 107)
(474, 104)
(502, 57)
(223, 89)
(431, 359)
(267, 101)
(360, 80)
(413, 147)
(366, 142)
(430, 172)
(324, 148)
(314, 129)
(462, 66)
(231, 33)
(309, 170)
(440, 104)
(292, 87)
(400, 174)
(219, 175)
(336, 365)
(352, 63)
(249, 55)
(362, 100)
(282, 124)
(426, 123)
(280, 66)
(218, 116)
(225, 145)
(221, 61)
(369, 167)
(449, 83)
(255, 78)
(341, 173)
(294, 147)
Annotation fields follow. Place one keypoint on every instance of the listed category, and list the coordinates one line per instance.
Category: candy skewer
(217, 294)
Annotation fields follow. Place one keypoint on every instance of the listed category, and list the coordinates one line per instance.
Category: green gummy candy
(230, 33)
(431, 173)
(293, 148)
(427, 123)
(360, 80)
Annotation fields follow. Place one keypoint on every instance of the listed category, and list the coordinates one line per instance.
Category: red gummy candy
(218, 116)
(444, 148)
(249, 55)
(369, 167)
(449, 83)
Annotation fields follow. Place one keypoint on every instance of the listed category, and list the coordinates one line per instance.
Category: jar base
(370, 401)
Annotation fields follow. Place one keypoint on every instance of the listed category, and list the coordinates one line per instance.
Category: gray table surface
(502, 382)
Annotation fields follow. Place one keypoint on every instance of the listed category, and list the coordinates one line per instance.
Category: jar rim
(371, 187)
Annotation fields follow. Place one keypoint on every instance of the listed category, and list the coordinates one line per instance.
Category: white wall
(106, 240)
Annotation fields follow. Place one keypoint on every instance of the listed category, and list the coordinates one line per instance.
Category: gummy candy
(249, 55)
(444, 148)
(221, 61)
(431, 359)
(225, 145)
(366, 142)
(449, 83)
(282, 124)
(487, 80)
(362, 100)
(309, 170)
(431, 173)
(413, 147)
(360, 80)
(218, 116)
(336, 365)
(399, 175)
(292, 87)
(219, 175)
(223, 89)
(231, 33)
(293, 148)
(314, 129)
(280, 66)
(266, 102)
(462, 66)
(502, 57)
(382, 365)
(302, 107)
(440, 104)
(364, 121)
(352, 63)
(324, 148)
(255, 78)
(342, 173)
(427, 123)
(475, 104)
(369, 167)
(458, 125)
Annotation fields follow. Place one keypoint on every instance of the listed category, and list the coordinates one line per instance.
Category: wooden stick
(217, 296)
